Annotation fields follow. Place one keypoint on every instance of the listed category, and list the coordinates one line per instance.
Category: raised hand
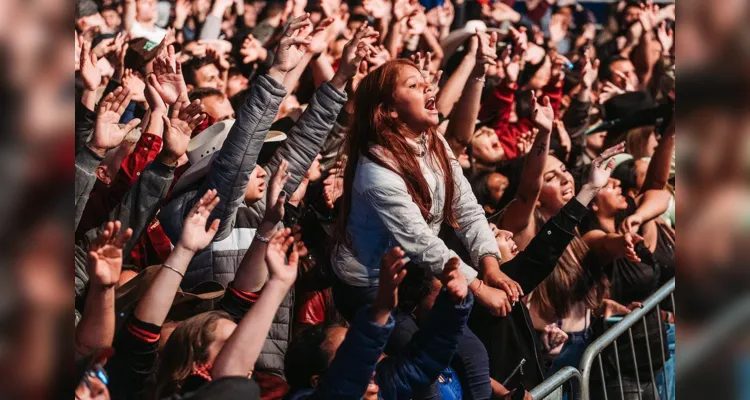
(392, 273)
(379, 9)
(107, 133)
(608, 91)
(90, 74)
(375, 60)
(511, 66)
(590, 72)
(219, 58)
(252, 50)
(403, 9)
(155, 102)
(170, 84)
(319, 36)
(454, 281)
(105, 255)
(498, 279)
(558, 63)
(178, 129)
(486, 50)
(601, 167)
(666, 38)
(625, 247)
(353, 54)
(520, 39)
(557, 29)
(417, 22)
(500, 12)
(276, 196)
(195, 236)
(543, 114)
(276, 250)
(135, 84)
(333, 185)
(497, 301)
(293, 44)
(563, 135)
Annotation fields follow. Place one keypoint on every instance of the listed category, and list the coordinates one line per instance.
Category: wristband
(262, 238)
(175, 270)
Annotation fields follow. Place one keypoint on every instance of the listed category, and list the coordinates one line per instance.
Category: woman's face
(506, 245)
(146, 11)
(413, 101)
(610, 200)
(256, 187)
(486, 146)
(557, 186)
(222, 331)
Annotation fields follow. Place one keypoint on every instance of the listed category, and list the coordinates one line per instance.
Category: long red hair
(372, 125)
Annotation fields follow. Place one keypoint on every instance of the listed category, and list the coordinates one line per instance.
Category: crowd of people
(396, 199)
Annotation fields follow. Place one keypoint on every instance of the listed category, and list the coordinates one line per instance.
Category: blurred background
(713, 161)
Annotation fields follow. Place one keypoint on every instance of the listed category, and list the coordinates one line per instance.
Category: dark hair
(201, 93)
(306, 355)
(373, 126)
(192, 65)
(187, 344)
(85, 8)
(626, 174)
(239, 99)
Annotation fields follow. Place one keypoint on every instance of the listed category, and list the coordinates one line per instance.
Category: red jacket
(500, 104)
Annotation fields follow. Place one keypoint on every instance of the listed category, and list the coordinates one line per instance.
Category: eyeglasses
(96, 372)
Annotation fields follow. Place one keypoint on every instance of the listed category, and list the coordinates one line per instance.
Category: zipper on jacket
(517, 369)
(533, 340)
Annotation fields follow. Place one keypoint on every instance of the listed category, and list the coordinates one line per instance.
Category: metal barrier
(555, 381)
(611, 335)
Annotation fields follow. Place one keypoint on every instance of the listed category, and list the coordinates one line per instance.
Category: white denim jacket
(384, 215)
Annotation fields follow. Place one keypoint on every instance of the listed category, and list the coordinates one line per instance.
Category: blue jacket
(418, 365)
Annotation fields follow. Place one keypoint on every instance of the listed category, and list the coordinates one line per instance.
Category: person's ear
(392, 113)
(594, 207)
(103, 175)
(314, 381)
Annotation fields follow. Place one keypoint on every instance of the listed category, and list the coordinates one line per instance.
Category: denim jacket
(384, 215)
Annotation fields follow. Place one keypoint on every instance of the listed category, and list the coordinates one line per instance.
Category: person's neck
(607, 223)
(149, 25)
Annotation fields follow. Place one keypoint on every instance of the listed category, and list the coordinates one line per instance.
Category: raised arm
(307, 136)
(128, 18)
(659, 167)
(451, 91)
(211, 28)
(107, 135)
(230, 170)
(241, 350)
(97, 326)
(156, 302)
(519, 214)
(462, 122)
(252, 272)
(356, 359)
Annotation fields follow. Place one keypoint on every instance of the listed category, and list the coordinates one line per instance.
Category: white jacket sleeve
(398, 212)
(473, 228)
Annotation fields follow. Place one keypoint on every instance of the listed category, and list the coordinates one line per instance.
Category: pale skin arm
(657, 175)
(519, 214)
(239, 354)
(128, 17)
(461, 125)
(451, 91)
(97, 326)
(156, 302)
(253, 271)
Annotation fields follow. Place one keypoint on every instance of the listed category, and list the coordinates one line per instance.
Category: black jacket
(510, 339)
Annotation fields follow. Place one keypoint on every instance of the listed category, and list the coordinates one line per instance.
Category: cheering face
(506, 245)
(414, 101)
(610, 200)
(623, 74)
(209, 76)
(256, 187)
(486, 146)
(218, 107)
(146, 11)
(557, 186)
